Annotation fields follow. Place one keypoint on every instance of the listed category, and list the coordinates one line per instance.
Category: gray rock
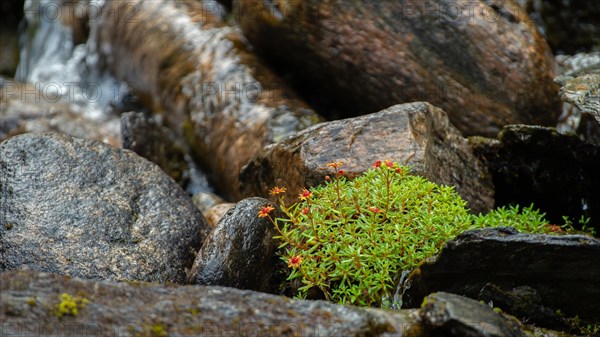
(533, 164)
(445, 314)
(29, 299)
(416, 134)
(239, 252)
(562, 269)
(25, 109)
(79, 207)
(582, 91)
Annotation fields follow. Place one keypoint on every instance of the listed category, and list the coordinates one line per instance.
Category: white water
(61, 70)
(65, 72)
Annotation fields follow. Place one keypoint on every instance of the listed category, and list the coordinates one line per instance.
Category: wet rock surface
(120, 309)
(532, 164)
(148, 138)
(483, 62)
(199, 70)
(240, 251)
(559, 268)
(446, 314)
(81, 208)
(416, 134)
(24, 109)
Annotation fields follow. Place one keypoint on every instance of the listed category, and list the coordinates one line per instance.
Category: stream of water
(66, 72)
(61, 69)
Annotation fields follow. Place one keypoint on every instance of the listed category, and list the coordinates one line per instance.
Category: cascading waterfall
(66, 72)
(60, 69)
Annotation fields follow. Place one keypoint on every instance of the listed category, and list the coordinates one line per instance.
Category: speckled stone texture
(82, 208)
(122, 309)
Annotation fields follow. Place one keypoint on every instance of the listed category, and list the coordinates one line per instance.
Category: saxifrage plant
(352, 239)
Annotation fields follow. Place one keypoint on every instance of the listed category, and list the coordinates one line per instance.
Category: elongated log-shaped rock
(483, 61)
(30, 305)
(180, 58)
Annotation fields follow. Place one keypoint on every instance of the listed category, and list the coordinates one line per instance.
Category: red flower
(264, 212)
(377, 164)
(388, 163)
(305, 194)
(294, 261)
(340, 173)
(374, 209)
(398, 170)
(305, 210)
(277, 190)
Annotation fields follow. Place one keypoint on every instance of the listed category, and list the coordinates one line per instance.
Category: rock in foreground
(414, 134)
(562, 269)
(81, 208)
(443, 312)
(29, 305)
(120, 309)
(240, 251)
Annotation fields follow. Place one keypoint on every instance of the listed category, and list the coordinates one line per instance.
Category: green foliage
(352, 239)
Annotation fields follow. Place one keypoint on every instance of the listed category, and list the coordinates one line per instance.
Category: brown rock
(214, 214)
(225, 101)
(415, 134)
(483, 62)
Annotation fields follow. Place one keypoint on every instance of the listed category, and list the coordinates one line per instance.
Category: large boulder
(31, 305)
(199, 71)
(483, 61)
(240, 251)
(415, 134)
(562, 269)
(30, 301)
(82, 208)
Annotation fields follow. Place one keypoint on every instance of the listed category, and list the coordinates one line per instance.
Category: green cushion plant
(353, 239)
